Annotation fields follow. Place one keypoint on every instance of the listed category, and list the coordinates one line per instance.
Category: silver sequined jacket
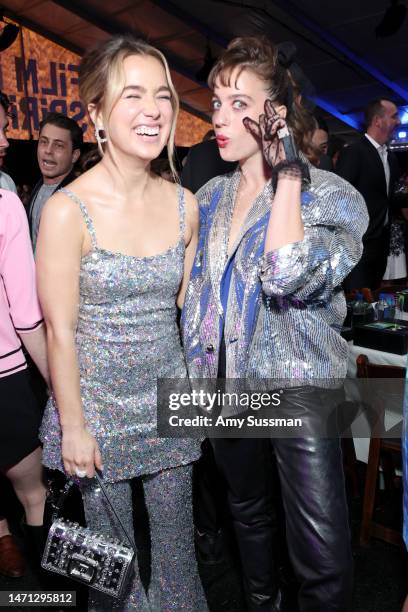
(286, 308)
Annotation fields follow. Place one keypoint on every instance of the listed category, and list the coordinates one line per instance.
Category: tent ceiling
(336, 42)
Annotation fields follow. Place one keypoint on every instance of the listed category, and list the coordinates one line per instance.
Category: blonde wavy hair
(102, 79)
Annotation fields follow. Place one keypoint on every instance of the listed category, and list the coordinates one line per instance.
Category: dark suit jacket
(68, 179)
(361, 165)
(203, 163)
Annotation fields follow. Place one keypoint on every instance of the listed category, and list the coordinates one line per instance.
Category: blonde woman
(114, 254)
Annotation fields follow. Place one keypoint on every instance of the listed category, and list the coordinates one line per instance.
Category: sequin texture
(174, 584)
(127, 337)
(285, 308)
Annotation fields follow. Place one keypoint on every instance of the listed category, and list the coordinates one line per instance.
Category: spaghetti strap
(85, 214)
(182, 211)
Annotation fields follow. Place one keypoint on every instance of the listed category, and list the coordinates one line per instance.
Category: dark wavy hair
(66, 123)
(260, 56)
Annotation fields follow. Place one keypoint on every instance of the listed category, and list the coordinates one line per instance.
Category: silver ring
(80, 473)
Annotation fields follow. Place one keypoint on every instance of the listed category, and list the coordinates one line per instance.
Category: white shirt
(383, 153)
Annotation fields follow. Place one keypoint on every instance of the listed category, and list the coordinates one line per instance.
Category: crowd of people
(257, 261)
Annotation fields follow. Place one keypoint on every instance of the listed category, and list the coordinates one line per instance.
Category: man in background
(59, 147)
(373, 171)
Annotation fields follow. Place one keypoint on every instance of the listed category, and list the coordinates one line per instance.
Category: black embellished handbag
(100, 562)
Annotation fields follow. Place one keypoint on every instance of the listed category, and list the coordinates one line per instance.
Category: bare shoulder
(90, 183)
(61, 211)
(173, 191)
(87, 181)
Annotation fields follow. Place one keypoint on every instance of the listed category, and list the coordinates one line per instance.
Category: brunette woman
(277, 238)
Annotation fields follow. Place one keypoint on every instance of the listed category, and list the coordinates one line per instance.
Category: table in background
(380, 358)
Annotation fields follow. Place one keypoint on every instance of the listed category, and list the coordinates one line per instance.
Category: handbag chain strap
(64, 494)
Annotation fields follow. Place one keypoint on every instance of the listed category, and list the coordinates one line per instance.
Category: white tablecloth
(380, 358)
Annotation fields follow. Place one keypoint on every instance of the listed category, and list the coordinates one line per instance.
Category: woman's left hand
(267, 132)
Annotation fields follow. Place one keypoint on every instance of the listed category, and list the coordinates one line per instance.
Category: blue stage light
(402, 134)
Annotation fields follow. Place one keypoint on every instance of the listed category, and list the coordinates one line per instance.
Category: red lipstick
(222, 141)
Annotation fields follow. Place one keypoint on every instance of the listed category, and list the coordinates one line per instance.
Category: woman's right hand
(80, 453)
(266, 131)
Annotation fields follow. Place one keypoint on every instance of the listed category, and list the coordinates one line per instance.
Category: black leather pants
(318, 537)
(317, 529)
(244, 464)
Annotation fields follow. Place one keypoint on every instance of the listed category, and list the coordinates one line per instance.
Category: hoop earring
(100, 139)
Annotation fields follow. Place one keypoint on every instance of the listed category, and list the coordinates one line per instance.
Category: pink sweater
(20, 311)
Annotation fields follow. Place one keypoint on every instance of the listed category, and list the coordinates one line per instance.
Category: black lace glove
(278, 146)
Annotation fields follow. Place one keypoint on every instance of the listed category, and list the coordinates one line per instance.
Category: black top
(361, 165)
(203, 163)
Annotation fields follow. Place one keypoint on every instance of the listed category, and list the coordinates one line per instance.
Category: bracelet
(294, 168)
(288, 143)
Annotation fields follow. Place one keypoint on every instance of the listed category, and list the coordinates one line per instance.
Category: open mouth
(45, 163)
(147, 130)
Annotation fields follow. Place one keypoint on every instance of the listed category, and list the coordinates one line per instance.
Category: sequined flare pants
(175, 585)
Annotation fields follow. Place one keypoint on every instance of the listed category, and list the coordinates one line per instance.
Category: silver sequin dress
(127, 337)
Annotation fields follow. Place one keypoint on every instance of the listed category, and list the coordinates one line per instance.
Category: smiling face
(4, 144)
(243, 95)
(140, 121)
